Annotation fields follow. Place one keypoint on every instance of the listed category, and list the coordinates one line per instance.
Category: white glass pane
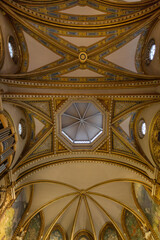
(10, 48)
(152, 51)
(20, 128)
(143, 128)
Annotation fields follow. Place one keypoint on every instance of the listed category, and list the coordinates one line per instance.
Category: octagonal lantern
(82, 123)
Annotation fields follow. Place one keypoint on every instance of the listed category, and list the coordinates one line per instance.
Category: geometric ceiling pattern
(117, 25)
(79, 80)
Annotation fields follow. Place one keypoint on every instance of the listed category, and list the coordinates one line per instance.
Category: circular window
(151, 50)
(12, 48)
(22, 128)
(142, 129)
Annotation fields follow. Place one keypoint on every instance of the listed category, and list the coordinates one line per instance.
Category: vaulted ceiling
(85, 90)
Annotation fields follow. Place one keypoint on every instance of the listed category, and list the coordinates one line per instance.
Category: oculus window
(142, 129)
(22, 128)
(12, 48)
(82, 123)
(151, 50)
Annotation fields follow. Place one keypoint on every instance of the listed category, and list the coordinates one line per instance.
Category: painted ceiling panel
(125, 56)
(113, 210)
(125, 125)
(116, 190)
(83, 220)
(43, 57)
(38, 126)
(82, 10)
(82, 41)
(111, 34)
(68, 219)
(82, 73)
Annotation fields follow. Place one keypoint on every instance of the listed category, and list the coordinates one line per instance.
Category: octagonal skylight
(82, 123)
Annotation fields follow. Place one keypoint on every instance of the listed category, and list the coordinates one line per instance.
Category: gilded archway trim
(83, 232)
(104, 228)
(18, 229)
(137, 16)
(60, 229)
(144, 216)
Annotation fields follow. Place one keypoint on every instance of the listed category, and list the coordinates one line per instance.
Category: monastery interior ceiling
(79, 120)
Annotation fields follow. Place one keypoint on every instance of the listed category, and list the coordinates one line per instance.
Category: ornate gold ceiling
(98, 180)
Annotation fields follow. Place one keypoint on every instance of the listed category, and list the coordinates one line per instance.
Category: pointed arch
(109, 231)
(57, 231)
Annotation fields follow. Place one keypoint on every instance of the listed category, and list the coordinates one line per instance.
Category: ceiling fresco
(82, 100)
(66, 68)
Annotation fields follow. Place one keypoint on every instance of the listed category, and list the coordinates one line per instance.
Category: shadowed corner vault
(79, 120)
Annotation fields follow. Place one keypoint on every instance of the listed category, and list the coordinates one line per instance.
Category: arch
(132, 226)
(57, 231)
(83, 235)
(109, 231)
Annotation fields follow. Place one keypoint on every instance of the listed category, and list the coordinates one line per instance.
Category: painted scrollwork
(155, 138)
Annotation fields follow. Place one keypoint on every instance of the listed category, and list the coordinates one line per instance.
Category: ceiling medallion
(83, 57)
(82, 124)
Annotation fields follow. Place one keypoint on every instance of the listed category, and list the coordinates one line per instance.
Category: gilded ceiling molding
(105, 84)
(107, 225)
(50, 182)
(144, 102)
(154, 139)
(40, 216)
(81, 25)
(40, 72)
(127, 4)
(37, 32)
(124, 165)
(123, 221)
(139, 55)
(144, 50)
(58, 217)
(122, 73)
(132, 148)
(59, 228)
(75, 217)
(90, 217)
(110, 218)
(125, 180)
(92, 64)
(46, 205)
(144, 216)
(19, 228)
(2, 52)
(42, 226)
(79, 235)
(133, 158)
(84, 2)
(46, 134)
(117, 202)
(23, 46)
(25, 106)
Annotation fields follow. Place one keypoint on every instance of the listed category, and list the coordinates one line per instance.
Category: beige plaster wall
(16, 114)
(7, 29)
(147, 114)
(154, 67)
